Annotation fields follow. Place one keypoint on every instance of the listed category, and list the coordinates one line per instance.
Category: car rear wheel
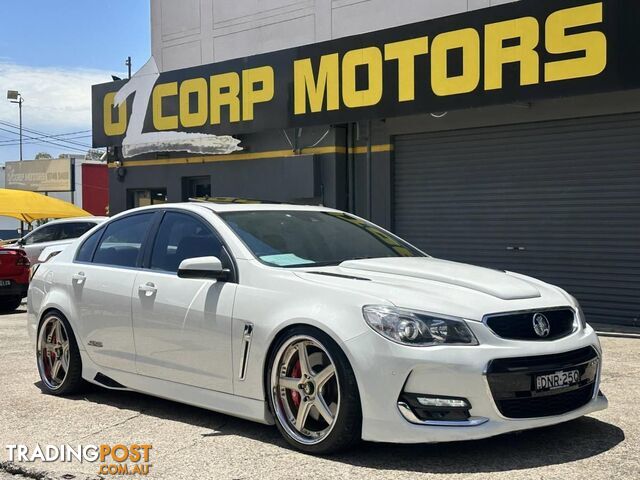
(10, 304)
(59, 362)
(313, 393)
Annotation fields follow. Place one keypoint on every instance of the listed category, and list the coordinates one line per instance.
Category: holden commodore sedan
(311, 319)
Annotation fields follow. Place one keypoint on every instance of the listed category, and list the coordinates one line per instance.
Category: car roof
(256, 207)
(237, 207)
(95, 220)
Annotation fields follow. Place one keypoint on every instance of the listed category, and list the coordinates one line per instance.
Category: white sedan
(313, 319)
(55, 236)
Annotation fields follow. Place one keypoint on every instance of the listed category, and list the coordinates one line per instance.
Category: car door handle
(149, 289)
(79, 278)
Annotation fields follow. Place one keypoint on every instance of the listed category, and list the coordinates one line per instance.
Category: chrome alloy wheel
(53, 352)
(305, 390)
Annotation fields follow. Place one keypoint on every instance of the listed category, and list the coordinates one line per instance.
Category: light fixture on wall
(121, 171)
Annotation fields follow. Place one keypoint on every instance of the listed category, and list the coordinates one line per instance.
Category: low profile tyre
(313, 393)
(10, 304)
(59, 362)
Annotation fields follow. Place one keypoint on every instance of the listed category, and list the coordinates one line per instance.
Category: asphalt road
(190, 443)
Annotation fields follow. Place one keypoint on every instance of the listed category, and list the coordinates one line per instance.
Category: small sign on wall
(40, 175)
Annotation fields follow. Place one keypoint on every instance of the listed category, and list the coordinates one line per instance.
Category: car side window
(85, 252)
(48, 233)
(121, 244)
(180, 237)
(69, 231)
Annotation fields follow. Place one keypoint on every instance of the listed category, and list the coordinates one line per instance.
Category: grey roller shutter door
(557, 200)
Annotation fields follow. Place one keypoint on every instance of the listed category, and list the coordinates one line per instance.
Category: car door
(39, 239)
(182, 327)
(102, 280)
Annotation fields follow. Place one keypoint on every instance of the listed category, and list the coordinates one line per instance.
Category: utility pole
(20, 115)
(128, 64)
(20, 110)
(15, 97)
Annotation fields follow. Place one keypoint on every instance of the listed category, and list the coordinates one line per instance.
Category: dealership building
(498, 133)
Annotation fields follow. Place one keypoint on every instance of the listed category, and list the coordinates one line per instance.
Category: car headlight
(417, 329)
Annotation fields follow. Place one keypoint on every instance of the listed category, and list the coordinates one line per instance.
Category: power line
(44, 145)
(59, 145)
(55, 139)
(11, 143)
(47, 142)
(67, 136)
(41, 135)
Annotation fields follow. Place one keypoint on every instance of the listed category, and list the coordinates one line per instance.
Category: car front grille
(547, 406)
(513, 383)
(520, 325)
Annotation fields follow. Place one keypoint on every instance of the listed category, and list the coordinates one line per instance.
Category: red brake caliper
(50, 357)
(296, 373)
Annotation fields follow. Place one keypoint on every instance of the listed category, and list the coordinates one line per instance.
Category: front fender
(272, 312)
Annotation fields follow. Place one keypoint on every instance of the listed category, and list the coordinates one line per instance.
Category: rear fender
(57, 298)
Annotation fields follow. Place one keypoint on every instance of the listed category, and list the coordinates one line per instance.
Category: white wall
(185, 33)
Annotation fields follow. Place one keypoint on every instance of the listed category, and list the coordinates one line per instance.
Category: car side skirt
(228, 404)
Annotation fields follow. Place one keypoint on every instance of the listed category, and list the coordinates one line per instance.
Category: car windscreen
(291, 239)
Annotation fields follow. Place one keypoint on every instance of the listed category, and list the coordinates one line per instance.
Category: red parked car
(14, 278)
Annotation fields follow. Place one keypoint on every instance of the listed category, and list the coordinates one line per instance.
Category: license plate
(557, 380)
(5, 283)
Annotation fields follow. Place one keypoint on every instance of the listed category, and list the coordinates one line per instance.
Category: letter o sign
(120, 457)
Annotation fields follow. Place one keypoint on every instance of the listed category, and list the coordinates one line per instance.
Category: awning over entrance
(30, 206)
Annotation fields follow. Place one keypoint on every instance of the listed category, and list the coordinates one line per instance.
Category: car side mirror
(204, 268)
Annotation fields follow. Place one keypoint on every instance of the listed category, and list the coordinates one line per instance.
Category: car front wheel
(313, 393)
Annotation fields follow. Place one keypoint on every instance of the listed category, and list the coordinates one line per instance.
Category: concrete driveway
(190, 443)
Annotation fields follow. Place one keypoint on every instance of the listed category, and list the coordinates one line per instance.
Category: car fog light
(443, 402)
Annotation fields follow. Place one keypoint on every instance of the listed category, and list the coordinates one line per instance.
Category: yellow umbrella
(31, 206)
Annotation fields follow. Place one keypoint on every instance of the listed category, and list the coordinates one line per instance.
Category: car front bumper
(385, 370)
